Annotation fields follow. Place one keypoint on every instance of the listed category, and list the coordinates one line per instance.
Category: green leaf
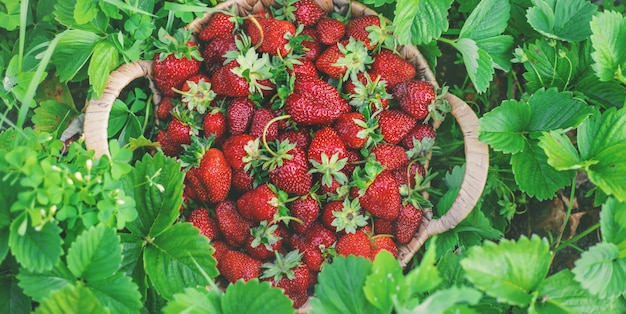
(105, 59)
(549, 64)
(510, 270)
(419, 22)
(6, 197)
(560, 293)
(478, 63)
(609, 35)
(157, 209)
(36, 251)
(118, 117)
(64, 14)
(553, 110)
(132, 260)
(340, 287)
(170, 260)
(609, 174)
(503, 127)
(613, 224)
(52, 116)
(562, 19)
(255, 296)
(74, 48)
(38, 285)
(562, 155)
(488, 19)
(118, 293)
(442, 300)
(96, 254)
(500, 49)
(195, 301)
(600, 271)
(609, 132)
(601, 94)
(71, 299)
(425, 277)
(535, 176)
(13, 298)
(385, 283)
(85, 11)
(450, 270)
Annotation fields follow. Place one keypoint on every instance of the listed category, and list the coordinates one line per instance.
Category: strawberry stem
(258, 26)
(267, 126)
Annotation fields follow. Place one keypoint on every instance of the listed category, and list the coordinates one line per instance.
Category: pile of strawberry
(304, 137)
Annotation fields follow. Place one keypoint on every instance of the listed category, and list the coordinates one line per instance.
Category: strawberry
(390, 156)
(392, 68)
(213, 53)
(259, 204)
(407, 223)
(354, 158)
(370, 29)
(289, 273)
(306, 67)
(219, 24)
(415, 97)
(351, 127)
(234, 150)
(239, 115)
(378, 192)
(242, 181)
(343, 60)
(210, 175)
(270, 35)
(314, 102)
(343, 216)
(384, 226)
(227, 83)
(230, 223)
(330, 31)
(312, 46)
(197, 94)
(214, 124)
(235, 265)
(178, 133)
(405, 174)
(307, 12)
(306, 209)
(327, 155)
(220, 248)
(200, 219)
(357, 244)
(263, 240)
(311, 255)
(319, 236)
(383, 243)
(395, 125)
(420, 141)
(260, 119)
(367, 92)
(177, 58)
(289, 170)
(164, 108)
(299, 137)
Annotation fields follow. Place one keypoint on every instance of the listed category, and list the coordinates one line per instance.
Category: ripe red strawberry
(415, 97)
(420, 141)
(234, 150)
(289, 169)
(308, 12)
(360, 29)
(311, 255)
(233, 227)
(390, 156)
(272, 35)
(328, 216)
(381, 198)
(383, 243)
(319, 236)
(239, 115)
(176, 59)
(330, 31)
(227, 83)
(384, 226)
(305, 68)
(343, 60)
(395, 125)
(357, 244)
(220, 248)
(299, 137)
(164, 109)
(258, 204)
(367, 90)
(263, 241)
(405, 174)
(235, 265)
(214, 124)
(354, 158)
(211, 179)
(219, 24)
(306, 209)
(326, 141)
(314, 102)
(300, 298)
(178, 133)
(312, 47)
(260, 119)
(407, 223)
(351, 127)
(200, 219)
(242, 181)
(392, 68)
(213, 53)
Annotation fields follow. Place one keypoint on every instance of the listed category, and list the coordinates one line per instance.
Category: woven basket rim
(476, 153)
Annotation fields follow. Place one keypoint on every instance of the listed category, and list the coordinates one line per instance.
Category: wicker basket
(476, 153)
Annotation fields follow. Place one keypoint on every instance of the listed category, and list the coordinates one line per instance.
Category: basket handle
(98, 110)
(477, 163)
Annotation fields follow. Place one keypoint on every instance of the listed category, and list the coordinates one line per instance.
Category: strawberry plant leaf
(118, 293)
(503, 127)
(601, 94)
(552, 110)
(52, 116)
(35, 250)
(496, 268)
(385, 283)
(195, 301)
(560, 293)
(609, 174)
(535, 176)
(340, 287)
(255, 296)
(488, 19)
(562, 19)
(419, 22)
(609, 34)
(6, 197)
(562, 155)
(478, 62)
(603, 133)
(600, 271)
(132, 260)
(95, 254)
(156, 183)
(425, 277)
(499, 48)
(104, 59)
(85, 11)
(72, 52)
(71, 299)
(170, 260)
(450, 270)
(38, 285)
(613, 224)
(442, 301)
(14, 299)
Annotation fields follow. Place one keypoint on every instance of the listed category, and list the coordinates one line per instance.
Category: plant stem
(568, 213)
(577, 237)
